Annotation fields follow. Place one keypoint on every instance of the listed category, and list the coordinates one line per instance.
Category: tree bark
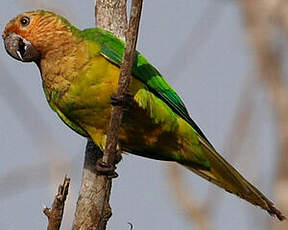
(112, 16)
(90, 212)
(93, 209)
(55, 213)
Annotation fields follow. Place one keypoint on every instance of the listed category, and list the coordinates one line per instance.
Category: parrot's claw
(103, 168)
(125, 101)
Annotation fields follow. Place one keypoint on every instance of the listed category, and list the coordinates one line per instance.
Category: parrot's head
(30, 35)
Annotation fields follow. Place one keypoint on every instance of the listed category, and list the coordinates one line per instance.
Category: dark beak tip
(11, 42)
(19, 48)
(30, 54)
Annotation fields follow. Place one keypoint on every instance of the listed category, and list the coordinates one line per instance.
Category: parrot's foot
(125, 101)
(103, 168)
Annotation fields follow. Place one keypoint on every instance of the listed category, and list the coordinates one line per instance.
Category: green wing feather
(113, 49)
(220, 172)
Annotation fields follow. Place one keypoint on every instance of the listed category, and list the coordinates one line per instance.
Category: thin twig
(55, 213)
(110, 15)
(124, 80)
(93, 209)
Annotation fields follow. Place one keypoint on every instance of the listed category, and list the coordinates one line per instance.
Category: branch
(112, 16)
(124, 80)
(91, 199)
(55, 214)
(93, 209)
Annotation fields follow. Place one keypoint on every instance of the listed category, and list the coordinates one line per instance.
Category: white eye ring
(25, 21)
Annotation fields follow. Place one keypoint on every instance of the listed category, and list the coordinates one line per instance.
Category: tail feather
(225, 176)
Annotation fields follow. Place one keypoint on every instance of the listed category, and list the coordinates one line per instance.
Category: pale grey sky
(210, 83)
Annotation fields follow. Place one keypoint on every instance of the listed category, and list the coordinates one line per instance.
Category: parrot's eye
(25, 21)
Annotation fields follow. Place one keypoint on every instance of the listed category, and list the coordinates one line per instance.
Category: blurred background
(227, 59)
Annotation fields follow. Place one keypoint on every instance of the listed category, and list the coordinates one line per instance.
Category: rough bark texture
(55, 214)
(90, 204)
(124, 80)
(93, 209)
(111, 15)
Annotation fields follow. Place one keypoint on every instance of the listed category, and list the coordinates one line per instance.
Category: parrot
(80, 71)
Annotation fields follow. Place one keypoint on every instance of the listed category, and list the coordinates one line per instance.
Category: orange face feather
(45, 30)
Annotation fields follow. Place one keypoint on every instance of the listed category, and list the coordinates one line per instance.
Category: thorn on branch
(55, 213)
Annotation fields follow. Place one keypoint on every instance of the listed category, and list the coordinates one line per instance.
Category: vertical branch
(124, 80)
(93, 209)
(112, 16)
(89, 210)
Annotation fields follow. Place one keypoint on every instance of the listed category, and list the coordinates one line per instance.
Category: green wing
(113, 49)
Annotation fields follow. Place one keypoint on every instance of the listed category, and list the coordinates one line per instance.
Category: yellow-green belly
(149, 129)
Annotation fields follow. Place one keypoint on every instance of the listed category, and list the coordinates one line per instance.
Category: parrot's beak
(20, 49)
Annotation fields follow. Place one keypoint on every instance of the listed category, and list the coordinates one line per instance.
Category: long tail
(225, 176)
